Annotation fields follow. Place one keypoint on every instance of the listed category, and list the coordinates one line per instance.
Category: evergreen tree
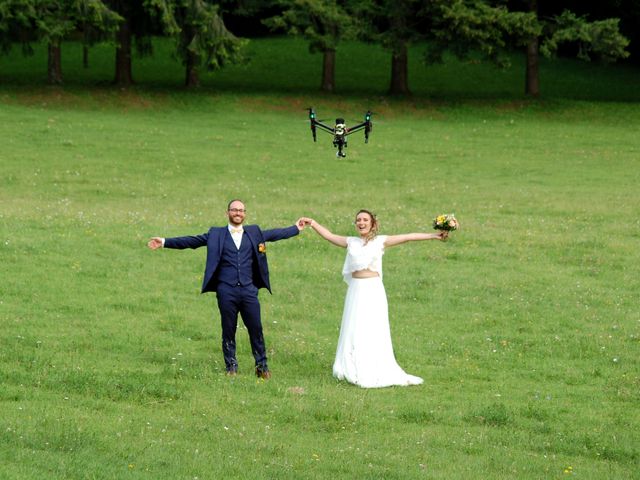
(203, 39)
(136, 25)
(323, 23)
(50, 21)
(201, 35)
(458, 26)
(57, 19)
(600, 39)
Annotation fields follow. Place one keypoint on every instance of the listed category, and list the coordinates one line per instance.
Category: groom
(236, 269)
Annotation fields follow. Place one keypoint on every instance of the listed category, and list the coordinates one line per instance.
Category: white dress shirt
(236, 234)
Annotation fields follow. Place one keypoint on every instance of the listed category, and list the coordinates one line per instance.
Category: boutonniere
(262, 248)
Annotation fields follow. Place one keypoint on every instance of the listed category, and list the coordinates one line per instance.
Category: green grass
(524, 325)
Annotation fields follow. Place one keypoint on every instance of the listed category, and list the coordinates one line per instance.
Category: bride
(365, 354)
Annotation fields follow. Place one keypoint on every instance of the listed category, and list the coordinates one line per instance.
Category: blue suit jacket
(214, 240)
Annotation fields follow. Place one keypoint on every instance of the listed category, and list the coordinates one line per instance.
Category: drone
(340, 131)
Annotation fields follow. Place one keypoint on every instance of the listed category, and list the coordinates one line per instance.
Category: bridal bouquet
(446, 222)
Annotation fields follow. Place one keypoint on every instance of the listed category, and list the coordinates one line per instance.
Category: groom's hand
(154, 243)
(303, 222)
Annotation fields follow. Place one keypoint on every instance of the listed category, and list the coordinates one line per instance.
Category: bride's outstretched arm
(337, 240)
(411, 237)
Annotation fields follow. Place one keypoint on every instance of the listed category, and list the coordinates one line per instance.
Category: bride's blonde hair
(374, 224)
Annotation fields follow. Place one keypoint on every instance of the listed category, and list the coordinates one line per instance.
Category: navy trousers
(234, 299)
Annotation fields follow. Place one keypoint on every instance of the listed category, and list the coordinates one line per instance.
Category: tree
(395, 25)
(464, 27)
(203, 39)
(628, 11)
(56, 19)
(457, 26)
(141, 20)
(17, 25)
(600, 39)
(532, 65)
(323, 23)
(97, 23)
(50, 21)
(124, 38)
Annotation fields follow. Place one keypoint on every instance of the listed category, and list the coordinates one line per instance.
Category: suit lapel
(222, 232)
(249, 233)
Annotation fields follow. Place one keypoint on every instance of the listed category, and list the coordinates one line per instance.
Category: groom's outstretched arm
(191, 241)
(276, 234)
(194, 241)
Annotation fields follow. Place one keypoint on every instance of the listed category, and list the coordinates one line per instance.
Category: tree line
(491, 28)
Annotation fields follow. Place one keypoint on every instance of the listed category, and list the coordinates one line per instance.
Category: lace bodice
(363, 257)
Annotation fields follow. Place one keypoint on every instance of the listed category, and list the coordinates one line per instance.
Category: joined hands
(303, 222)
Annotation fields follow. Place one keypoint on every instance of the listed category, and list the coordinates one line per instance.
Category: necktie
(236, 230)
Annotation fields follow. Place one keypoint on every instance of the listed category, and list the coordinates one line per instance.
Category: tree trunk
(532, 86)
(400, 72)
(123, 55)
(328, 71)
(85, 56)
(532, 77)
(54, 63)
(192, 74)
(192, 59)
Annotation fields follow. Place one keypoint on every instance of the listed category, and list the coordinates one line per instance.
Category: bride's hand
(304, 222)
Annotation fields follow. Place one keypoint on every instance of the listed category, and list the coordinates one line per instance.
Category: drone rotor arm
(324, 127)
(357, 128)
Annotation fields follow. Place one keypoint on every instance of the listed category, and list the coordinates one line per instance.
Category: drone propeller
(312, 120)
(368, 126)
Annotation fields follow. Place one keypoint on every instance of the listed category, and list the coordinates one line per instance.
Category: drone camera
(340, 130)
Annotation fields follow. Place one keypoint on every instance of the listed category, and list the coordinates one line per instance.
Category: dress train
(365, 355)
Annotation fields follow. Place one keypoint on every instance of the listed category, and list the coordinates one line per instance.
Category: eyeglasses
(237, 210)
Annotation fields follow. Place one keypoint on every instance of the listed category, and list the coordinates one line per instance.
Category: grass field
(524, 325)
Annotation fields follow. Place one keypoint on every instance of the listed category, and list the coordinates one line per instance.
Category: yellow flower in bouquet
(446, 222)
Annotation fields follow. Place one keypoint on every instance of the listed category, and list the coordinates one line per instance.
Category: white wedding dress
(365, 355)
